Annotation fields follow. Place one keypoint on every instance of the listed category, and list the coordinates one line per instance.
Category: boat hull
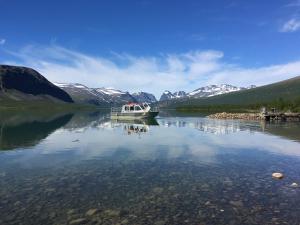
(131, 116)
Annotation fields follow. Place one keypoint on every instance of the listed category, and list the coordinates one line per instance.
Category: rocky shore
(242, 116)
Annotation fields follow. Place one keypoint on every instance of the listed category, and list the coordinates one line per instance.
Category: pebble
(294, 185)
(78, 221)
(112, 213)
(91, 212)
(277, 175)
(237, 203)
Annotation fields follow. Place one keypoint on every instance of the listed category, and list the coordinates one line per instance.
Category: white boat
(134, 111)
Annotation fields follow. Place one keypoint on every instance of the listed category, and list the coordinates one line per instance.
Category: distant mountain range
(207, 91)
(21, 85)
(103, 96)
(25, 84)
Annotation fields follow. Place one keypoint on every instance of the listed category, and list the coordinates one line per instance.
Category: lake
(83, 168)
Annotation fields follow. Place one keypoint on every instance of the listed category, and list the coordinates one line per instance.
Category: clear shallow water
(84, 168)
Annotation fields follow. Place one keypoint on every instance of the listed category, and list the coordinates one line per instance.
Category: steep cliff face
(29, 81)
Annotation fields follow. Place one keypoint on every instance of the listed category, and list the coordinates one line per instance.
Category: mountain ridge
(205, 91)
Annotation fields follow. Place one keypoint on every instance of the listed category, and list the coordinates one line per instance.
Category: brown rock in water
(277, 175)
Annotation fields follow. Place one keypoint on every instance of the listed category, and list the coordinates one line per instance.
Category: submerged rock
(277, 175)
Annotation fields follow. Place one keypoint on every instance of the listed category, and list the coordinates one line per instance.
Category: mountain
(83, 95)
(96, 96)
(144, 97)
(206, 91)
(116, 96)
(25, 84)
(278, 95)
(167, 95)
(213, 90)
(180, 94)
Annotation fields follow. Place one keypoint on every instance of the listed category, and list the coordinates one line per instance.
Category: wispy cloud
(181, 71)
(291, 25)
(2, 41)
(293, 4)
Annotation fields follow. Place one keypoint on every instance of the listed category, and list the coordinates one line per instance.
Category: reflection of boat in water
(137, 126)
(132, 111)
(145, 121)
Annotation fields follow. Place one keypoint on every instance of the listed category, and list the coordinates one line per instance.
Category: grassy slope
(285, 92)
(13, 100)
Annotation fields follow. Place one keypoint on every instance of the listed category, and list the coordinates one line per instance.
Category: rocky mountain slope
(22, 83)
(144, 97)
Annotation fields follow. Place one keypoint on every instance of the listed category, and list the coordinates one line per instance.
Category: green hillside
(284, 95)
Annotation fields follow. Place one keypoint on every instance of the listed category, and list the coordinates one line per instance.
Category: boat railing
(116, 109)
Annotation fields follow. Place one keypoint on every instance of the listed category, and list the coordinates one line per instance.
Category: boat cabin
(135, 107)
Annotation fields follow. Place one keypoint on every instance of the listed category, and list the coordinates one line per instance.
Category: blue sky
(153, 45)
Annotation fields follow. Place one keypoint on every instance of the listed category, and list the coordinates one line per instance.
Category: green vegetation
(42, 105)
(280, 104)
(283, 96)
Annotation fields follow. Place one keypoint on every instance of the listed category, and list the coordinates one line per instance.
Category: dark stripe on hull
(135, 115)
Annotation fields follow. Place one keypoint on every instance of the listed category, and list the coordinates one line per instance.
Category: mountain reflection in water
(25, 131)
(29, 132)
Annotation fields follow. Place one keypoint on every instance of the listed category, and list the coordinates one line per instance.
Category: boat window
(131, 108)
(137, 108)
(126, 108)
(142, 106)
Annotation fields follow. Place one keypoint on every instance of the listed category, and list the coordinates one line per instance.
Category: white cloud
(2, 41)
(291, 26)
(185, 71)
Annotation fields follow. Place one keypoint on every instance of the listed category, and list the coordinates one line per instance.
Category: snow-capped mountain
(107, 96)
(97, 96)
(206, 91)
(115, 96)
(169, 95)
(144, 97)
(213, 90)
(179, 94)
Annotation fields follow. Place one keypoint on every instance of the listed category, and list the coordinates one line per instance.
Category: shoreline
(241, 116)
